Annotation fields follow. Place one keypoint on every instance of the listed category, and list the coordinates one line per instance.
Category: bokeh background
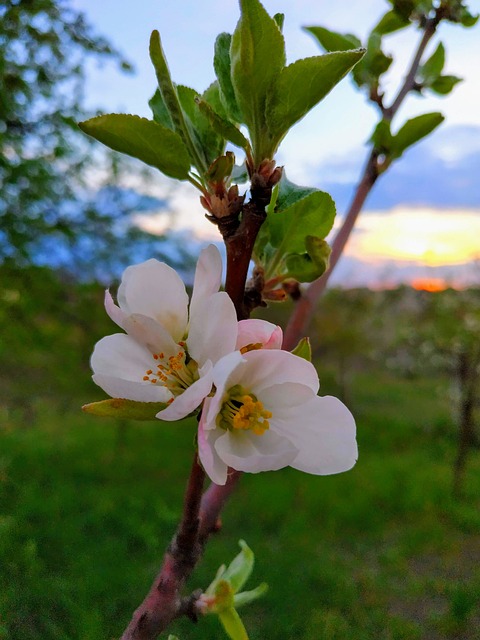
(390, 550)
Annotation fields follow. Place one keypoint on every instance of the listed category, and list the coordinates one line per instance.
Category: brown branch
(201, 515)
(305, 307)
(163, 602)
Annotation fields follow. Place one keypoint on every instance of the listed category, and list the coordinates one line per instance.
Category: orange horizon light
(429, 284)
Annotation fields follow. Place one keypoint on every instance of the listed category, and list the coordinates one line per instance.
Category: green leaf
(208, 141)
(223, 71)
(443, 85)
(221, 168)
(257, 57)
(303, 349)
(239, 570)
(143, 139)
(302, 85)
(233, 624)
(390, 22)
(414, 130)
(333, 41)
(312, 215)
(279, 19)
(245, 597)
(213, 97)
(223, 127)
(121, 408)
(288, 193)
(161, 114)
(374, 64)
(309, 266)
(382, 137)
(170, 637)
(434, 65)
(172, 102)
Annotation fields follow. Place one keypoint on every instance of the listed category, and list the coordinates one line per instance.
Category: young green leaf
(161, 114)
(288, 193)
(121, 408)
(257, 57)
(443, 85)
(309, 266)
(239, 570)
(223, 127)
(333, 41)
(279, 19)
(245, 597)
(313, 215)
(303, 349)
(233, 625)
(382, 137)
(302, 85)
(223, 70)
(390, 22)
(172, 102)
(374, 64)
(208, 141)
(143, 139)
(414, 130)
(434, 65)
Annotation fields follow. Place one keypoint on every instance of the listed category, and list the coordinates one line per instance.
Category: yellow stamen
(253, 346)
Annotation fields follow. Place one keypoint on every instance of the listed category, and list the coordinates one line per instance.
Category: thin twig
(305, 307)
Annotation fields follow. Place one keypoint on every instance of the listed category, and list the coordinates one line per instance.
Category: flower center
(243, 410)
(176, 372)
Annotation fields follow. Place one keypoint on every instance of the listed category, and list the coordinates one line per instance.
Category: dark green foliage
(44, 47)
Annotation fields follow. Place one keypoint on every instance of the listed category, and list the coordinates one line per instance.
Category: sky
(424, 216)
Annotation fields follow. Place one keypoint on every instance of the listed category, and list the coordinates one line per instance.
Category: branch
(163, 602)
(201, 515)
(305, 307)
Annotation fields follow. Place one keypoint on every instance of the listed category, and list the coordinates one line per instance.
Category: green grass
(384, 551)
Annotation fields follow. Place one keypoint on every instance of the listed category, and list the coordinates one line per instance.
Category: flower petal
(119, 364)
(150, 333)
(255, 330)
(213, 328)
(115, 313)
(154, 289)
(323, 430)
(208, 276)
(191, 398)
(245, 451)
(215, 468)
(265, 368)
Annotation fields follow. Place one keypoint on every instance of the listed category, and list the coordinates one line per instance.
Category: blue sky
(326, 149)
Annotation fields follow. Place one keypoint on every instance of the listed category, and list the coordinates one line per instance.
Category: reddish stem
(305, 307)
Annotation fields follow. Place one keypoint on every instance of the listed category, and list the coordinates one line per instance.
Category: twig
(305, 307)
(201, 515)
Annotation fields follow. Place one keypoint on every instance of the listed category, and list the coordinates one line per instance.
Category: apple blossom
(266, 415)
(169, 350)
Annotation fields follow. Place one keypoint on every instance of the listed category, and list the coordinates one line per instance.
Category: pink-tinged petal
(265, 368)
(151, 334)
(208, 276)
(191, 398)
(154, 289)
(214, 467)
(255, 330)
(115, 313)
(119, 364)
(323, 430)
(245, 451)
(213, 329)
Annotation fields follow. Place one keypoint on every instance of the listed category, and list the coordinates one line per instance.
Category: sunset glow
(420, 235)
(429, 284)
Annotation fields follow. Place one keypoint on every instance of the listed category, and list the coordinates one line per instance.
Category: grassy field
(382, 552)
(87, 506)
